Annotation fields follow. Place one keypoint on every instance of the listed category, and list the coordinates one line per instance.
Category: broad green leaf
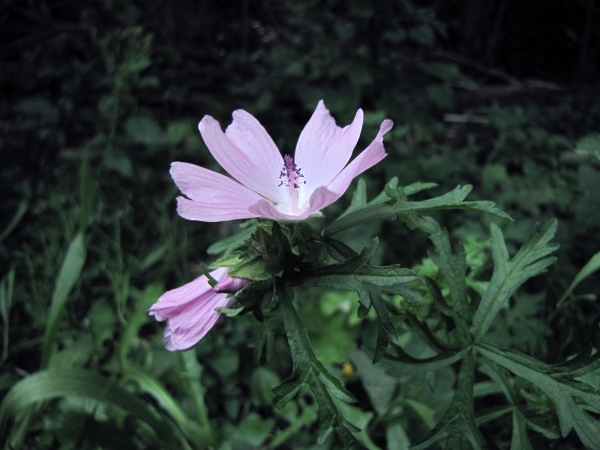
(308, 370)
(558, 383)
(67, 277)
(454, 268)
(362, 419)
(253, 430)
(457, 425)
(380, 387)
(398, 206)
(54, 383)
(592, 266)
(193, 371)
(531, 259)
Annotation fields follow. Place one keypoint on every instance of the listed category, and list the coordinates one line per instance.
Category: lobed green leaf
(398, 206)
(531, 259)
(558, 384)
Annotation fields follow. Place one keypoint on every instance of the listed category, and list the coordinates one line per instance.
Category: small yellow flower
(348, 369)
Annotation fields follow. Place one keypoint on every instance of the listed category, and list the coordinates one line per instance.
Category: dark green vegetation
(99, 97)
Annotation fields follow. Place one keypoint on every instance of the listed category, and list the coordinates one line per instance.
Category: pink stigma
(290, 174)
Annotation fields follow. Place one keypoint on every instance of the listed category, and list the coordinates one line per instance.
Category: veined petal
(189, 311)
(167, 304)
(366, 159)
(214, 197)
(187, 328)
(229, 284)
(248, 135)
(320, 198)
(324, 149)
(218, 211)
(243, 164)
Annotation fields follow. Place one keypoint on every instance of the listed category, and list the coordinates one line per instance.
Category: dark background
(501, 94)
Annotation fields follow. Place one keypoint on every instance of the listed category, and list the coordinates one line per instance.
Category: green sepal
(229, 312)
(211, 281)
(253, 269)
(227, 261)
(254, 292)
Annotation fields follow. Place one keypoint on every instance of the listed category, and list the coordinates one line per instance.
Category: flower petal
(212, 212)
(248, 135)
(246, 163)
(324, 149)
(230, 284)
(189, 311)
(366, 159)
(320, 198)
(215, 196)
(187, 328)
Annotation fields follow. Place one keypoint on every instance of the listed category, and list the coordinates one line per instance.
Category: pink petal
(366, 159)
(191, 325)
(175, 298)
(189, 311)
(212, 212)
(321, 198)
(246, 163)
(248, 135)
(324, 149)
(215, 197)
(230, 284)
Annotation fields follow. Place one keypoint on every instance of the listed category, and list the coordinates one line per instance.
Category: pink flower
(266, 185)
(190, 309)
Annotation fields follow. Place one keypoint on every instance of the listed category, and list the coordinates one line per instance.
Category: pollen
(290, 174)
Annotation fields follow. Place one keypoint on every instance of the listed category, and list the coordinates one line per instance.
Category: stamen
(290, 174)
(290, 177)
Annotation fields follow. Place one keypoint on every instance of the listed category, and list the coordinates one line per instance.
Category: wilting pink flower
(266, 185)
(190, 309)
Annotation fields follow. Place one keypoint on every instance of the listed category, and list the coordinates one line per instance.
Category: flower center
(290, 174)
(290, 177)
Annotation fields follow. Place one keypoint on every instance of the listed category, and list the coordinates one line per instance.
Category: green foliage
(531, 260)
(100, 98)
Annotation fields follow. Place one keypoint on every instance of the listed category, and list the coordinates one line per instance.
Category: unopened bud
(228, 285)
